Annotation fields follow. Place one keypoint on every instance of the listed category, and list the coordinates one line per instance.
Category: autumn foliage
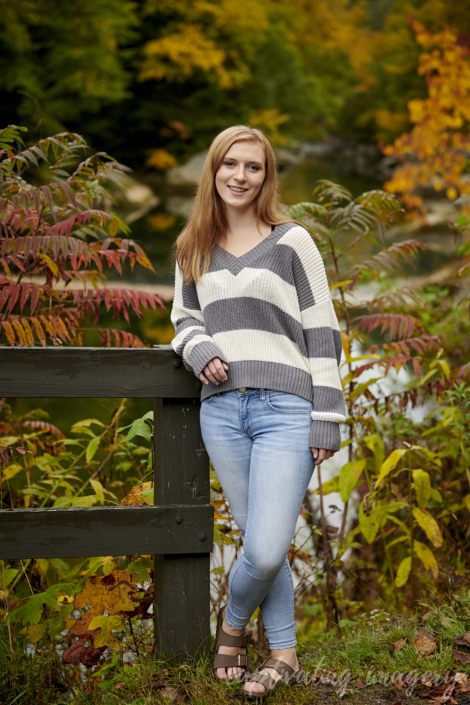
(56, 245)
(435, 154)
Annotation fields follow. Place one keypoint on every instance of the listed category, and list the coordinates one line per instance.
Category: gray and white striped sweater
(268, 314)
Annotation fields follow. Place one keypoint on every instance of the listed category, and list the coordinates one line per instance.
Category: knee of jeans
(263, 565)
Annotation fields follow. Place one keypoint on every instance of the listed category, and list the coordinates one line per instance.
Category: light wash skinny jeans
(258, 442)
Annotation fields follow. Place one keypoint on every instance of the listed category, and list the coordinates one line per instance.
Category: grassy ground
(358, 665)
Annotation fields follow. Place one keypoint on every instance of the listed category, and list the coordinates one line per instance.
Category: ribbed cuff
(325, 434)
(201, 354)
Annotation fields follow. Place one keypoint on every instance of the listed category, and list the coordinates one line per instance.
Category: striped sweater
(268, 314)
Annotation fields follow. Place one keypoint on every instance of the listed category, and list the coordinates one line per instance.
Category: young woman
(255, 323)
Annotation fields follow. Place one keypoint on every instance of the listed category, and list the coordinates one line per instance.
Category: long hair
(207, 222)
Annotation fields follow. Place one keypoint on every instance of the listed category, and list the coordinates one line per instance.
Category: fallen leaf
(460, 657)
(359, 683)
(462, 680)
(463, 639)
(400, 644)
(170, 693)
(424, 642)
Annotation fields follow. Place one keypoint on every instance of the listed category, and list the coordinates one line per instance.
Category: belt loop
(263, 394)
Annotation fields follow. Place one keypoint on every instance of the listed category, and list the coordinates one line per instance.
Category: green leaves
(139, 428)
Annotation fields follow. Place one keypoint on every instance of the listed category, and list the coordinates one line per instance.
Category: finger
(321, 456)
(314, 453)
(225, 365)
(209, 375)
(219, 370)
(203, 379)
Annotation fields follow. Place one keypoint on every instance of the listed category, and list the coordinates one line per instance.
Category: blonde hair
(207, 222)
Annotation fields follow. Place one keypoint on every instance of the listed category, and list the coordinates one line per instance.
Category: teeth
(239, 190)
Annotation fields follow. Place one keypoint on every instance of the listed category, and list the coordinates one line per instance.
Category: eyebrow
(234, 160)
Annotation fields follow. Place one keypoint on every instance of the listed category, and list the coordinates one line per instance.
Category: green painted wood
(182, 583)
(95, 372)
(105, 531)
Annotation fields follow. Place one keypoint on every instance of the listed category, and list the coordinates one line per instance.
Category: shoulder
(297, 237)
(301, 243)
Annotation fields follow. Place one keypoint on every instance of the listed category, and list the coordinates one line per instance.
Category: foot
(234, 671)
(289, 656)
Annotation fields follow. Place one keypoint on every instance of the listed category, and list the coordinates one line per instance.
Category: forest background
(151, 83)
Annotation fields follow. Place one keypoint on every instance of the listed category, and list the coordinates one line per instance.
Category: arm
(191, 342)
(323, 341)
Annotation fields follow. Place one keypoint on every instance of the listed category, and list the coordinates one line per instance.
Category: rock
(187, 174)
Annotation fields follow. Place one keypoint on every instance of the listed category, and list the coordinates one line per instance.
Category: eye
(253, 166)
(228, 163)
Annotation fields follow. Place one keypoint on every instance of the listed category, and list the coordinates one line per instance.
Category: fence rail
(177, 530)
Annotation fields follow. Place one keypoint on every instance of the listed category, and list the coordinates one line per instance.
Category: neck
(241, 221)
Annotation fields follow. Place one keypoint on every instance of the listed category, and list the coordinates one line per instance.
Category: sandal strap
(226, 661)
(263, 678)
(280, 666)
(224, 639)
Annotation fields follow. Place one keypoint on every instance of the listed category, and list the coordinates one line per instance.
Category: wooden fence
(177, 530)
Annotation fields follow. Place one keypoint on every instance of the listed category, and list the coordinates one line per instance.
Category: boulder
(187, 174)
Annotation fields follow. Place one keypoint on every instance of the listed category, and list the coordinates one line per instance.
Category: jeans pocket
(286, 403)
(207, 400)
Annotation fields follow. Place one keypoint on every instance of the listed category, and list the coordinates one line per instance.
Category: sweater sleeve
(323, 342)
(191, 342)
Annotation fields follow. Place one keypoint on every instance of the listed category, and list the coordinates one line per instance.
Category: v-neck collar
(224, 259)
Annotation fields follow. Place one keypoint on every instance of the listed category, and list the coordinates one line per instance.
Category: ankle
(289, 655)
(235, 632)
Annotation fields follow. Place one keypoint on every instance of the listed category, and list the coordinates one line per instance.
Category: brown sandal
(224, 639)
(288, 675)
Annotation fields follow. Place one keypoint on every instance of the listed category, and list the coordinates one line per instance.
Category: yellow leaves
(427, 557)
(180, 55)
(106, 625)
(139, 494)
(329, 486)
(389, 464)
(269, 121)
(161, 159)
(422, 483)
(429, 525)
(161, 221)
(349, 476)
(403, 572)
(433, 153)
(110, 594)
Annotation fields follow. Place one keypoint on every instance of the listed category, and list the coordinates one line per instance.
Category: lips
(237, 189)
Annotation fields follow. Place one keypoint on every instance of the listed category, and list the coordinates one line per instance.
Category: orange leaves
(138, 493)
(435, 152)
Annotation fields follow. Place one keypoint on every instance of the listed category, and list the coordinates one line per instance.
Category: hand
(215, 371)
(321, 454)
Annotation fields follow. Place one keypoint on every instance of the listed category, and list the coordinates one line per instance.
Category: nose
(240, 173)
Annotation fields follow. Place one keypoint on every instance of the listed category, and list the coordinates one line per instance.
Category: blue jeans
(258, 442)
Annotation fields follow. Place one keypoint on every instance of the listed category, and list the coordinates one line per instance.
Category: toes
(222, 674)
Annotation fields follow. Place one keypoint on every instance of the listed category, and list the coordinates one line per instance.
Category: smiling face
(241, 174)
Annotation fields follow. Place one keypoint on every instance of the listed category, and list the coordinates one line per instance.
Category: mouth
(237, 189)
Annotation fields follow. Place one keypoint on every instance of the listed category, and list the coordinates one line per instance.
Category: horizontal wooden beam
(95, 372)
(105, 531)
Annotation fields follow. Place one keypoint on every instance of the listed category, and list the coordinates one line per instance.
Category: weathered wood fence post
(177, 530)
